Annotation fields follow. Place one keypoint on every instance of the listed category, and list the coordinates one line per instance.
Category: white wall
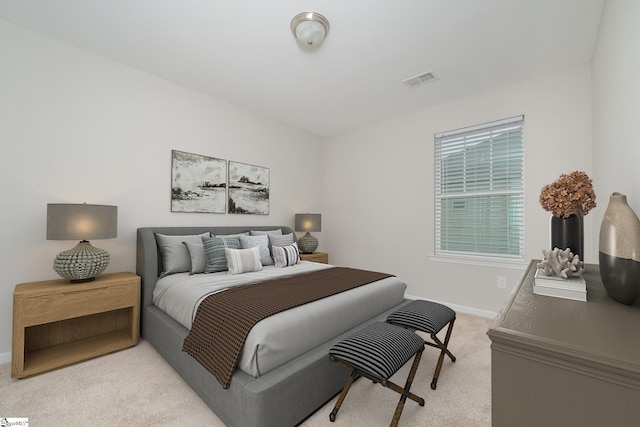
(76, 127)
(616, 106)
(379, 188)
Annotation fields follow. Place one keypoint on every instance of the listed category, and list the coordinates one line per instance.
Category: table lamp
(308, 222)
(81, 222)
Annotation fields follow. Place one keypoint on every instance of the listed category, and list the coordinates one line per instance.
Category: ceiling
(243, 51)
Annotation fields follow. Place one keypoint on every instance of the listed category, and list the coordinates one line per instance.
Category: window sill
(484, 262)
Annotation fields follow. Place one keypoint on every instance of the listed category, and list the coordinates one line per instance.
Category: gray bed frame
(286, 396)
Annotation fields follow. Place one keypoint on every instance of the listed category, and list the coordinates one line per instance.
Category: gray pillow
(214, 252)
(246, 233)
(175, 256)
(276, 232)
(198, 260)
(260, 242)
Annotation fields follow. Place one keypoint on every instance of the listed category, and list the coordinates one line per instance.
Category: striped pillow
(243, 260)
(214, 252)
(283, 240)
(285, 256)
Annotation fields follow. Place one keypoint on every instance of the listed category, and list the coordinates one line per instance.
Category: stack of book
(574, 288)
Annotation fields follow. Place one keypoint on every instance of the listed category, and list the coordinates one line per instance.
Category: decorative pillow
(285, 256)
(214, 252)
(175, 256)
(198, 259)
(276, 232)
(243, 260)
(246, 233)
(260, 242)
(283, 240)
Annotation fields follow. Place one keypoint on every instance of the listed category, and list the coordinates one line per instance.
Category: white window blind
(479, 194)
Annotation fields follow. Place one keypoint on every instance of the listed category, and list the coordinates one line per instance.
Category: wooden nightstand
(322, 257)
(57, 323)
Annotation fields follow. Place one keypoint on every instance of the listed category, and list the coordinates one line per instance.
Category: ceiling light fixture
(310, 28)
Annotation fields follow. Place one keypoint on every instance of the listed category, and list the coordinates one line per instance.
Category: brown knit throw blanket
(224, 319)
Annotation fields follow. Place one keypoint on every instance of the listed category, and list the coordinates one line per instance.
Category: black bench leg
(444, 350)
(343, 394)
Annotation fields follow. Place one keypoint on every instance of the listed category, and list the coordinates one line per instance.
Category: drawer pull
(83, 291)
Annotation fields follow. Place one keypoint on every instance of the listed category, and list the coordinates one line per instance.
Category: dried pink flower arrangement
(569, 194)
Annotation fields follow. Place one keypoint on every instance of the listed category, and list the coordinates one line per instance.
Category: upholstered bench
(429, 317)
(377, 352)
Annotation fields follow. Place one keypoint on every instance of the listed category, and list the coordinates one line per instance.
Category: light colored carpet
(136, 387)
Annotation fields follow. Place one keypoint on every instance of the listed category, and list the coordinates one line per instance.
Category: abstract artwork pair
(210, 185)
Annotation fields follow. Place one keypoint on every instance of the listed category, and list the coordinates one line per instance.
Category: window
(479, 194)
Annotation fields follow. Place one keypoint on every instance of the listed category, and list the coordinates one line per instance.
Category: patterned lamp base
(307, 243)
(82, 263)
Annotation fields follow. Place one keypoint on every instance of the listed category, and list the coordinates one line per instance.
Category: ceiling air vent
(420, 79)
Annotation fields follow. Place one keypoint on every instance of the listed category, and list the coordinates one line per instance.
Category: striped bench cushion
(423, 316)
(380, 349)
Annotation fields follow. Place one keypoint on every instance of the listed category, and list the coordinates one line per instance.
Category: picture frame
(198, 183)
(248, 189)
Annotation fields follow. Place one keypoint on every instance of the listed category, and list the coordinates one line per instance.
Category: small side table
(57, 323)
(322, 257)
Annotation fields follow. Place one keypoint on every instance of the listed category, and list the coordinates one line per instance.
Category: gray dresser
(558, 362)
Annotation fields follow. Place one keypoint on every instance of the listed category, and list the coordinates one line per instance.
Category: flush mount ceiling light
(310, 28)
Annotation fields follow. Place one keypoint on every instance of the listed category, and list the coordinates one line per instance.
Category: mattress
(287, 335)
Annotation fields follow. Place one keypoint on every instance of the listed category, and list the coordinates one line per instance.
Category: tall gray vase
(620, 250)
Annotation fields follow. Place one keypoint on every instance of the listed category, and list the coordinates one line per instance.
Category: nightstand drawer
(76, 303)
(321, 257)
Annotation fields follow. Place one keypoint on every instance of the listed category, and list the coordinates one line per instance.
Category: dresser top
(599, 331)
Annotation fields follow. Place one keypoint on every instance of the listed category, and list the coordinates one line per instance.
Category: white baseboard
(462, 308)
(5, 358)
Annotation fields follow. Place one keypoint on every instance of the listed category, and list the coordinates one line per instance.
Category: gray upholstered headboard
(149, 259)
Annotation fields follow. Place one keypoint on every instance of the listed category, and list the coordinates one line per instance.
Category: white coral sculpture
(561, 263)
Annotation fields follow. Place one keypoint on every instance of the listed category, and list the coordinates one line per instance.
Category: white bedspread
(284, 336)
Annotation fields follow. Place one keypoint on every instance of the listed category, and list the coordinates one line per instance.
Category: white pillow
(243, 260)
(285, 256)
(262, 243)
(175, 256)
(198, 259)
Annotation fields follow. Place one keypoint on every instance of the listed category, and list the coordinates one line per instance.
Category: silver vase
(619, 252)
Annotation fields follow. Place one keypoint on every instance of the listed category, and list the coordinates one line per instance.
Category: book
(574, 288)
(574, 282)
(560, 293)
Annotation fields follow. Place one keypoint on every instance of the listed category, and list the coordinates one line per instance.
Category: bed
(283, 394)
